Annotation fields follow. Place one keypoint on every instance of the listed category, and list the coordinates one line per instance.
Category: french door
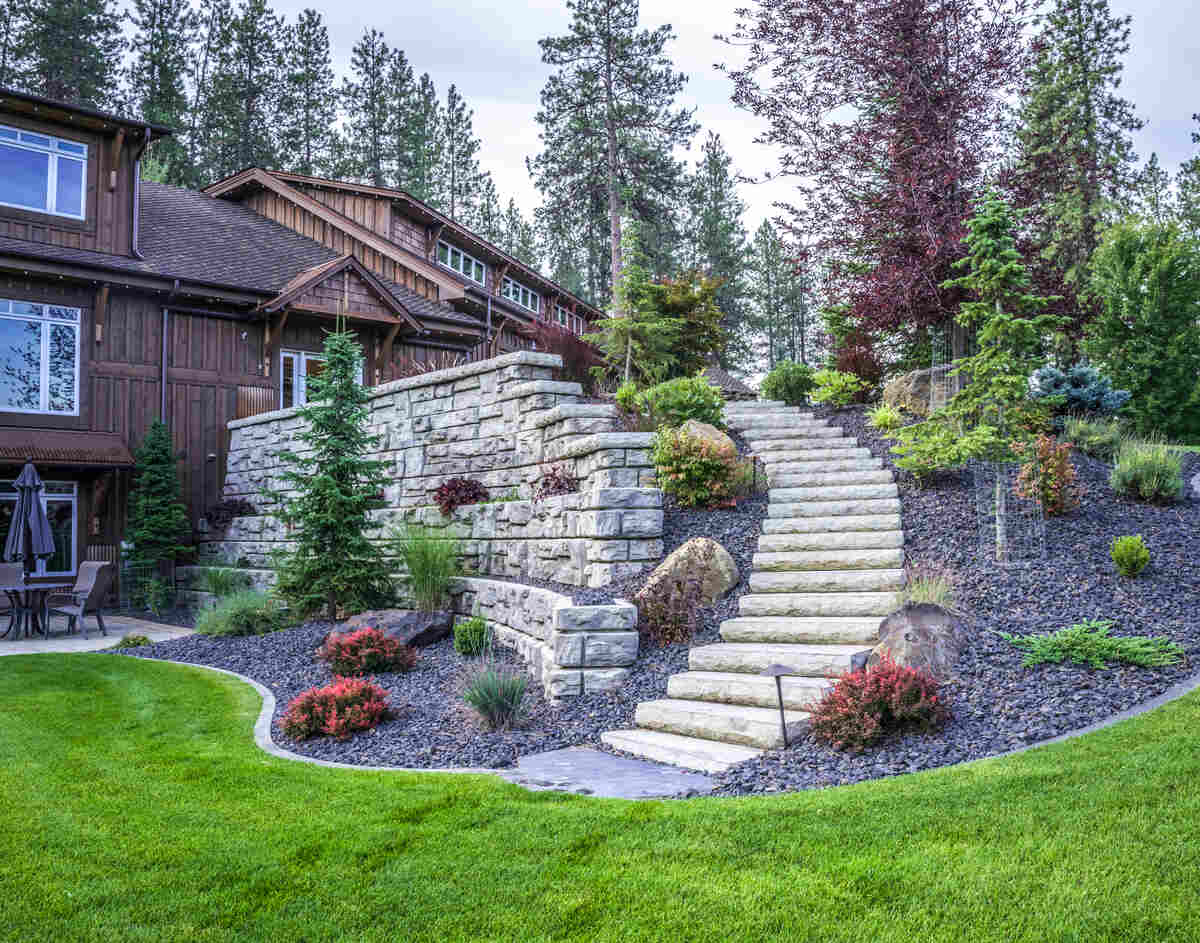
(296, 367)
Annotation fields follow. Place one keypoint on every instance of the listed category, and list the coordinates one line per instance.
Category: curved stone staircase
(828, 568)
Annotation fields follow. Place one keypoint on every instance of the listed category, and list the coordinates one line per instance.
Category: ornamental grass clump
(495, 692)
(865, 705)
(431, 562)
(339, 710)
(365, 650)
(1091, 643)
(1130, 554)
(248, 612)
(1147, 471)
(928, 583)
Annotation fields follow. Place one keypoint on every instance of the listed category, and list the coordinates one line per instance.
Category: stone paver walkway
(60, 641)
(589, 772)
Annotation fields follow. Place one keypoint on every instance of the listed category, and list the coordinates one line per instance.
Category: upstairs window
(42, 173)
(462, 263)
(519, 294)
(39, 358)
(562, 315)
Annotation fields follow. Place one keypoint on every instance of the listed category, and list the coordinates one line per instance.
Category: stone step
(776, 421)
(792, 460)
(799, 443)
(842, 523)
(818, 479)
(784, 630)
(708, 756)
(728, 723)
(827, 581)
(847, 492)
(781, 472)
(729, 687)
(743, 417)
(826, 541)
(804, 430)
(859, 507)
(829, 559)
(809, 661)
(819, 604)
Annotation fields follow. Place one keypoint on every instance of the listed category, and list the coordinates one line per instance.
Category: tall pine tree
(1188, 185)
(423, 137)
(308, 104)
(399, 141)
(782, 321)
(73, 51)
(367, 102)
(460, 178)
(165, 32)
(14, 28)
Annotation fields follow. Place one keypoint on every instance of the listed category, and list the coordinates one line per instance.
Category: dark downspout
(137, 194)
(162, 407)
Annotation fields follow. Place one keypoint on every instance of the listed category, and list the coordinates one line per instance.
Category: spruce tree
(158, 522)
(487, 217)
(165, 32)
(368, 103)
(308, 104)
(460, 178)
(73, 51)
(609, 121)
(335, 567)
(215, 17)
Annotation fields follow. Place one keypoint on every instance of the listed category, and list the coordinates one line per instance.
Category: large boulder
(406, 626)
(921, 635)
(909, 392)
(700, 558)
(708, 433)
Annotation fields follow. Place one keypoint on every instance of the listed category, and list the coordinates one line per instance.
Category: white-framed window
(519, 294)
(562, 315)
(39, 358)
(467, 265)
(43, 173)
(58, 499)
(295, 369)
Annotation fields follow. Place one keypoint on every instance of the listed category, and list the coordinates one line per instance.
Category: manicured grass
(136, 807)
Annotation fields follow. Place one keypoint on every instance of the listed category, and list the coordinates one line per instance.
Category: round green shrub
(694, 471)
(1130, 554)
(837, 388)
(790, 382)
(471, 636)
(675, 402)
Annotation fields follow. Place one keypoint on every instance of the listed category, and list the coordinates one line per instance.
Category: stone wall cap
(598, 441)
(533, 387)
(575, 411)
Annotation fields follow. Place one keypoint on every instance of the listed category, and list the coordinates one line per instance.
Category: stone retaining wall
(502, 421)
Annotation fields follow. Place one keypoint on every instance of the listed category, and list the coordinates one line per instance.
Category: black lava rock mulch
(997, 704)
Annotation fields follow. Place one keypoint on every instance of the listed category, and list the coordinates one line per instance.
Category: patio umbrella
(30, 518)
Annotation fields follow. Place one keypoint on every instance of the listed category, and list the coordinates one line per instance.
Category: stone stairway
(828, 569)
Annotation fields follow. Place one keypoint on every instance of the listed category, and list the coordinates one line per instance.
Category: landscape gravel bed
(997, 704)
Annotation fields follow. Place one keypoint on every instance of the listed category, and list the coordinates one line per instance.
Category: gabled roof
(347, 263)
(80, 116)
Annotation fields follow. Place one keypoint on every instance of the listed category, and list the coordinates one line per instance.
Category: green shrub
(1079, 389)
(496, 693)
(928, 448)
(131, 641)
(627, 396)
(676, 401)
(1089, 643)
(224, 581)
(694, 471)
(928, 583)
(431, 562)
(158, 595)
(790, 382)
(1148, 471)
(248, 612)
(472, 636)
(1099, 438)
(837, 388)
(885, 417)
(1130, 554)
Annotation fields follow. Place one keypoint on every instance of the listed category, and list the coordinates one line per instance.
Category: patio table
(28, 602)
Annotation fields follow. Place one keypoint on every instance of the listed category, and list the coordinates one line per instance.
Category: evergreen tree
(333, 487)
(783, 321)
(158, 522)
(517, 237)
(14, 27)
(1188, 184)
(487, 217)
(308, 105)
(399, 141)
(368, 105)
(609, 124)
(1152, 197)
(215, 17)
(165, 32)
(1076, 158)
(460, 177)
(424, 140)
(73, 51)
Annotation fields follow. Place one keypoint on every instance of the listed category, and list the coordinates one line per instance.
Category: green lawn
(136, 807)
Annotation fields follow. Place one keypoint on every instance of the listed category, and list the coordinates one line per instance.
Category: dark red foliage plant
(459, 491)
(1048, 476)
(578, 356)
(555, 480)
(865, 705)
(339, 710)
(365, 650)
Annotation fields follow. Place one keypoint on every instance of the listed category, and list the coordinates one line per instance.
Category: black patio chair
(91, 587)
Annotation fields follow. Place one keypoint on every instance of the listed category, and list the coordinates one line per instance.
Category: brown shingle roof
(729, 385)
(64, 447)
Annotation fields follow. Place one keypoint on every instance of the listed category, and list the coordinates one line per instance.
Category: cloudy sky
(490, 51)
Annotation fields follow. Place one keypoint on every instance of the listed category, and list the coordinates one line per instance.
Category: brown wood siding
(372, 212)
(330, 294)
(109, 223)
(408, 233)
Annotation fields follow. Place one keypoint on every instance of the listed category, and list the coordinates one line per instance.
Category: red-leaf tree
(887, 114)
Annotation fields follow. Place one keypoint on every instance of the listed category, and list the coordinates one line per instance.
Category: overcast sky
(490, 51)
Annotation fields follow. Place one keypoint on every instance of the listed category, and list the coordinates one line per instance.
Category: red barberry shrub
(1048, 476)
(864, 705)
(365, 650)
(555, 480)
(459, 491)
(340, 709)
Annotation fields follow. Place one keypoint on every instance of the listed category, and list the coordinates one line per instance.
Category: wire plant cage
(1012, 527)
(143, 587)
(941, 363)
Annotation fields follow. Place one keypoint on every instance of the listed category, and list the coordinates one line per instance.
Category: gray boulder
(702, 559)
(924, 636)
(909, 392)
(708, 433)
(417, 629)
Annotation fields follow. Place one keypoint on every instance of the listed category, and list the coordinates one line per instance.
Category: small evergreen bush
(885, 417)
(790, 382)
(339, 710)
(456, 492)
(471, 636)
(1080, 389)
(158, 595)
(248, 612)
(365, 650)
(1048, 476)
(676, 401)
(132, 641)
(496, 693)
(1147, 471)
(1130, 554)
(1099, 438)
(431, 562)
(931, 448)
(1090, 643)
(696, 472)
(837, 388)
(865, 705)
(158, 522)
